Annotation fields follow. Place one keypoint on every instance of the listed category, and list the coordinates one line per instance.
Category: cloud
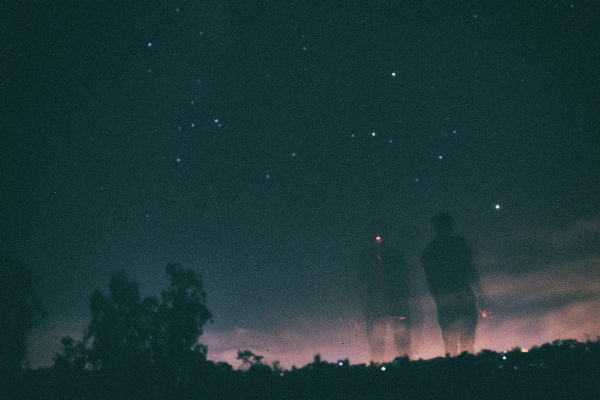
(581, 232)
(578, 240)
(560, 302)
(576, 321)
(531, 247)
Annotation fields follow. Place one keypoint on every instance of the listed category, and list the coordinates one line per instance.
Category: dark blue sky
(254, 141)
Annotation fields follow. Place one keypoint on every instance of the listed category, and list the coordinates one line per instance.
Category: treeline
(563, 369)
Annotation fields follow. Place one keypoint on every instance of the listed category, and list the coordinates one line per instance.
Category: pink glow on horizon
(345, 338)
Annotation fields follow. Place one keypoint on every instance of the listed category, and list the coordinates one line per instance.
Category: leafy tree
(20, 307)
(130, 333)
(74, 357)
(181, 316)
(117, 334)
(249, 359)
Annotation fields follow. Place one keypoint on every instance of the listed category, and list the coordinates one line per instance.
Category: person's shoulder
(430, 252)
(459, 241)
(433, 245)
(395, 250)
(365, 253)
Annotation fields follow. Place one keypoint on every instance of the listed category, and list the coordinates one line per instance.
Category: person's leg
(376, 330)
(451, 335)
(466, 318)
(447, 318)
(468, 327)
(401, 332)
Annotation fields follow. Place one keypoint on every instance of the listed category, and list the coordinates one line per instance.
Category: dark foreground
(561, 370)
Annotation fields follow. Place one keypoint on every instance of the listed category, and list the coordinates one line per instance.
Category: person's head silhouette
(443, 224)
(377, 232)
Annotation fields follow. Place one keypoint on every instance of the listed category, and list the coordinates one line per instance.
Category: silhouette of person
(453, 282)
(384, 278)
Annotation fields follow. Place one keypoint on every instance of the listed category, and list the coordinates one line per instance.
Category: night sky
(255, 141)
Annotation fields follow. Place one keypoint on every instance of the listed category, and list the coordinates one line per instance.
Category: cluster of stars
(373, 134)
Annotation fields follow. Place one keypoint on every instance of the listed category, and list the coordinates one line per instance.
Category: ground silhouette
(562, 369)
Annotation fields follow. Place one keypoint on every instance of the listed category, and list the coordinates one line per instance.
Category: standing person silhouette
(453, 282)
(384, 277)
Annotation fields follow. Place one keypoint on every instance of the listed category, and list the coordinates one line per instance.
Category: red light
(378, 239)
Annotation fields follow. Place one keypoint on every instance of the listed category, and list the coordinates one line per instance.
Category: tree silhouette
(20, 306)
(177, 325)
(182, 315)
(117, 333)
(74, 357)
(248, 359)
(128, 333)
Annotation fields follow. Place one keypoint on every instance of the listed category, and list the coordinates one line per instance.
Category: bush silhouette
(20, 306)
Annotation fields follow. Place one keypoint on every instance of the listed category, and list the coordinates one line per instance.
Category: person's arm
(482, 303)
(475, 284)
(477, 290)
